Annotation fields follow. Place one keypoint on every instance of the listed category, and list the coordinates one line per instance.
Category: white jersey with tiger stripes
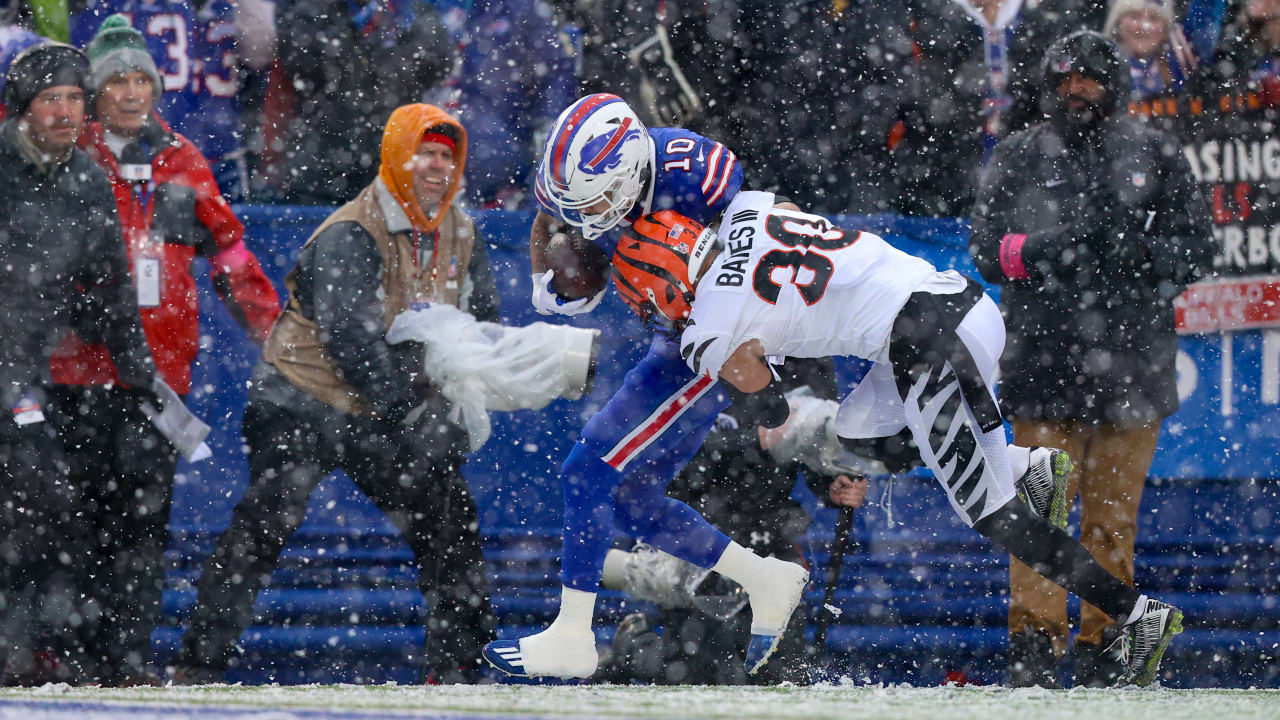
(800, 285)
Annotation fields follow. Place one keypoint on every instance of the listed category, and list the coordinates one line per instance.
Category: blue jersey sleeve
(693, 175)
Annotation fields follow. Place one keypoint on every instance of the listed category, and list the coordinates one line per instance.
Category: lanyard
(417, 251)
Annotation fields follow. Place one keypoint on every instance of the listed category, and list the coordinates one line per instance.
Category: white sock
(576, 610)
(995, 450)
(1137, 611)
(739, 565)
(615, 570)
(1019, 460)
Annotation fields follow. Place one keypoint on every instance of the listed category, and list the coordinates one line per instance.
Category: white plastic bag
(482, 366)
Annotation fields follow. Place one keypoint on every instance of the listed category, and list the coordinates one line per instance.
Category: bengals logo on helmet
(654, 263)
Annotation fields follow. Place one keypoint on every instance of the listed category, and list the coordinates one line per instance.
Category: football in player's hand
(581, 267)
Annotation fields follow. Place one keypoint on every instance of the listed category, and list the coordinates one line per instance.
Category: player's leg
(956, 423)
(659, 403)
(871, 423)
(774, 586)
(651, 427)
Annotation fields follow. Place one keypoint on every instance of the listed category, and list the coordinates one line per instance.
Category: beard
(1078, 117)
(1082, 112)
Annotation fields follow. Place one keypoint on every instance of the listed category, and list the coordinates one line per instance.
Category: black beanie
(41, 67)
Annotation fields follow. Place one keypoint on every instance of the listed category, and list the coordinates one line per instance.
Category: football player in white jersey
(775, 282)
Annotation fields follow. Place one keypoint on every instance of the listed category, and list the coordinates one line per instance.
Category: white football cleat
(783, 586)
(551, 653)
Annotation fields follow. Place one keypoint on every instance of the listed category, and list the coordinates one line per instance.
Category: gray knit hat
(118, 49)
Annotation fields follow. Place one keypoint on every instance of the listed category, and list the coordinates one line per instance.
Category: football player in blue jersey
(602, 168)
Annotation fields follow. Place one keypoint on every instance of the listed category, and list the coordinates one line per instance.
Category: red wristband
(1011, 256)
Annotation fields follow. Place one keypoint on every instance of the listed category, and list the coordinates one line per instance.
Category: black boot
(636, 653)
(1032, 661)
(1096, 667)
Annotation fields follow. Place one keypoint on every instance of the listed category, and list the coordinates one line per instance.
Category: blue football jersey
(213, 123)
(169, 28)
(692, 175)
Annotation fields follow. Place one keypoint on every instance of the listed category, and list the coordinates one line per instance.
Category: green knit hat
(118, 49)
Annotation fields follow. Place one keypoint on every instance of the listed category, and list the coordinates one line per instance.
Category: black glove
(1113, 231)
(424, 421)
(670, 98)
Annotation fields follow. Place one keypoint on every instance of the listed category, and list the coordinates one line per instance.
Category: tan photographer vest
(294, 346)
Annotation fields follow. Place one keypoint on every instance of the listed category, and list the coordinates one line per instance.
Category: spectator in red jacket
(170, 211)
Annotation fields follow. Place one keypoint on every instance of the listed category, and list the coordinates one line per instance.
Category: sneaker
(770, 614)
(1043, 487)
(1142, 643)
(1032, 661)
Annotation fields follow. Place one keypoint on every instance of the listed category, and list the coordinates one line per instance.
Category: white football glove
(547, 302)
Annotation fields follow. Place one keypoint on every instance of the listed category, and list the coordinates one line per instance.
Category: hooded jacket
(187, 215)
(368, 262)
(1091, 231)
(62, 266)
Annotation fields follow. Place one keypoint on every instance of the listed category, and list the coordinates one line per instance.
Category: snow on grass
(845, 702)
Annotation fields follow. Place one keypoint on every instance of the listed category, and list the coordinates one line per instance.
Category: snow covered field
(517, 702)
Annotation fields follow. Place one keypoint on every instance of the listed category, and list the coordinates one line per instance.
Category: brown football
(581, 267)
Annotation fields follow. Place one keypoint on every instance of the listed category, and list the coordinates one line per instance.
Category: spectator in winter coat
(352, 63)
(1164, 56)
(170, 210)
(974, 74)
(1092, 224)
(62, 266)
(331, 393)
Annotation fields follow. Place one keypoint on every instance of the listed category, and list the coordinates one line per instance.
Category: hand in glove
(663, 87)
(1111, 230)
(547, 302)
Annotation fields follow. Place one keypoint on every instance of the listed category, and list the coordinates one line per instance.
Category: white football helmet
(597, 150)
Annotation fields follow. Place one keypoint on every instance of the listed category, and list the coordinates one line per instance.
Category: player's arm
(751, 386)
(544, 299)
(539, 236)
(746, 369)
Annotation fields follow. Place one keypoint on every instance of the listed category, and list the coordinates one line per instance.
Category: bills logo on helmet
(603, 153)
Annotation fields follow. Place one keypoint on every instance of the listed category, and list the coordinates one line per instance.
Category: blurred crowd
(857, 106)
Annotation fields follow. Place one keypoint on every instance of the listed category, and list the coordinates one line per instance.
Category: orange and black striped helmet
(655, 260)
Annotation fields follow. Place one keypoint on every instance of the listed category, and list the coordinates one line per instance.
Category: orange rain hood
(400, 143)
